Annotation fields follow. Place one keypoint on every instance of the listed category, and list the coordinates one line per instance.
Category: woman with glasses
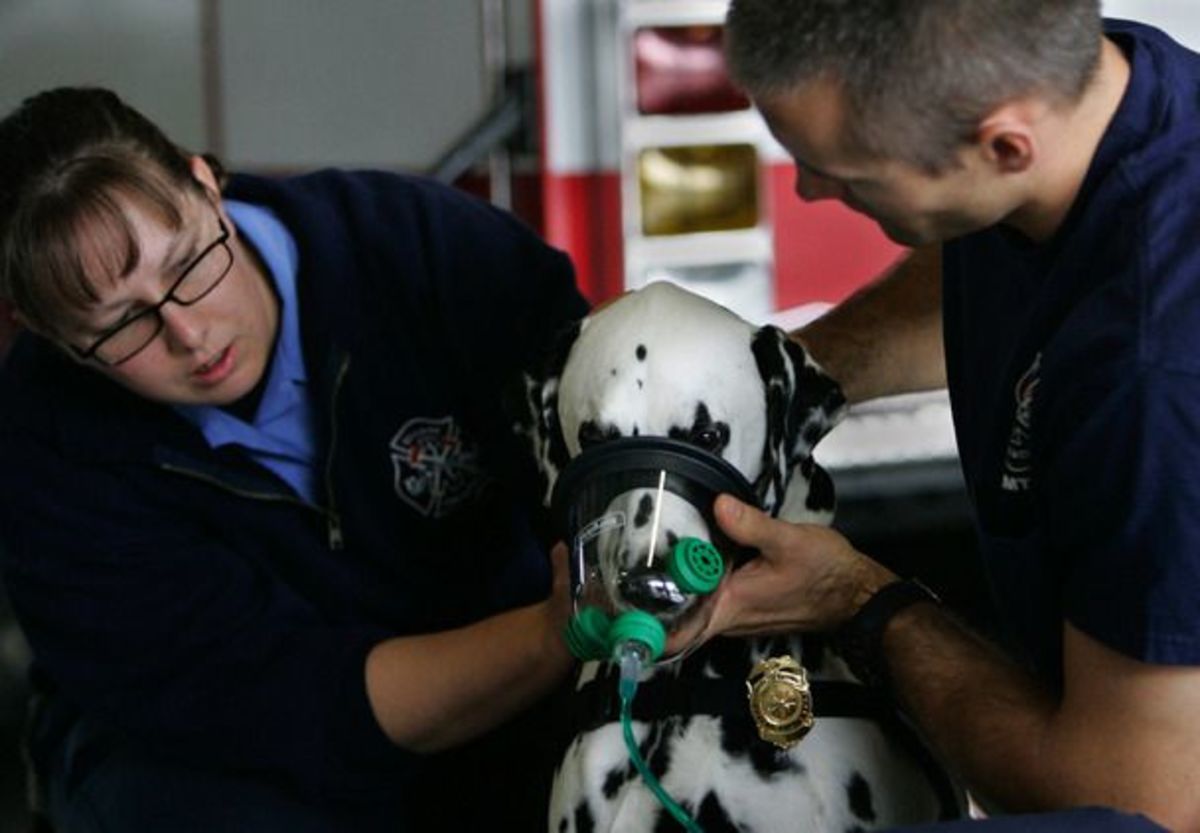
(260, 509)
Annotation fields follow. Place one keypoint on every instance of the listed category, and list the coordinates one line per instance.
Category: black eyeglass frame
(221, 241)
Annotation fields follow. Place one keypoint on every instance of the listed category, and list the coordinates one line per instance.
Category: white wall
(388, 83)
(149, 50)
(373, 82)
(303, 83)
(1180, 18)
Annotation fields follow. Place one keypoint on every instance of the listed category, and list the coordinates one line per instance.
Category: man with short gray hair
(1044, 164)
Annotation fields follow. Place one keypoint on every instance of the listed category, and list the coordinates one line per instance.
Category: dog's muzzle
(638, 514)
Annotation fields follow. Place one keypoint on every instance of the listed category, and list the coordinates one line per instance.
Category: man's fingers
(743, 523)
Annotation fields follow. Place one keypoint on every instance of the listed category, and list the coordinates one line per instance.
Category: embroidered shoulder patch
(436, 468)
(1017, 475)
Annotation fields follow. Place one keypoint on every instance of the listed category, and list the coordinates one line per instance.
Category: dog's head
(665, 362)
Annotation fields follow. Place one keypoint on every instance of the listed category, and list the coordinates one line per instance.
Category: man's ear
(802, 404)
(1007, 139)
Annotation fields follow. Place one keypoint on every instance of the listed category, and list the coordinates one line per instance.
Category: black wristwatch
(860, 640)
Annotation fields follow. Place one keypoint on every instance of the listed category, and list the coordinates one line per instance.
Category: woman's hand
(557, 605)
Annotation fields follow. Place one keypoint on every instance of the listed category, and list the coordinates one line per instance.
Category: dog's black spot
(821, 496)
(712, 815)
(544, 402)
(740, 739)
(815, 647)
(593, 433)
(584, 823)
(664, 823)
(727, 657)
(562, 825)
(672, 539)
(816, 391)
(812, 433)
(636, 431)
(641, 352)
(612, 372)
(765, 345)
(614, 780)
(858, 795)
(557, 451)
(641, 384)
(704, 432)
(656, 752)
(644, 512)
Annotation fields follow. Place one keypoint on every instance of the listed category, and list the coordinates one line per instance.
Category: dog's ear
(802, 404)
(537, 409)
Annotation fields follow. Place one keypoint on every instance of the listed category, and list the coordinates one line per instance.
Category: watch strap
(860, 640)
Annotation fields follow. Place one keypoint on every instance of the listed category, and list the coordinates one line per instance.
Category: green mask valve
(696, 566)
(587, 634)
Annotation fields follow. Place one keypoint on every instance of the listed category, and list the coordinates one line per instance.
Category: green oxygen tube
(635, 639)
(638, 639)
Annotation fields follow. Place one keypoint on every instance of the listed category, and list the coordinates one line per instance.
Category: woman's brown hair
(69, 160)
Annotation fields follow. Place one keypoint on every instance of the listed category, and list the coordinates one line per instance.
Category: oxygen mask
(645, 550)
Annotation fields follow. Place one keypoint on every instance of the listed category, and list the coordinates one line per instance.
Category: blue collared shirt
(281, 437)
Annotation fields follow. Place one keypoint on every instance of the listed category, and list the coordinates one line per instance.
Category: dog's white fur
(644, 365)
(686, 341)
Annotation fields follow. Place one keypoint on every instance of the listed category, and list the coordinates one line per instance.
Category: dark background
(13, 690)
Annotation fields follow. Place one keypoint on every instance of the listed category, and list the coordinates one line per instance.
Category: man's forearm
(886, 338)
(1113, 742)
(982, 711)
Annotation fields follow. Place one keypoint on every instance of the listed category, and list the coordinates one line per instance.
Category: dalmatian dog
(665, 362)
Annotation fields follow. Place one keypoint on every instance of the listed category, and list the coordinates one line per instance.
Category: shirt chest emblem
(436, 468)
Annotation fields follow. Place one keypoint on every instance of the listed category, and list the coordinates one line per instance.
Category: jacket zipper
(333, 518)
(234, 490)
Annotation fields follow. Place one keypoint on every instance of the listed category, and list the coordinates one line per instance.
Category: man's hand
(806, 577)
(1122, 735)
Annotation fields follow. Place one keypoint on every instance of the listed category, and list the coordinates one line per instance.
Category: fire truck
(655, 167)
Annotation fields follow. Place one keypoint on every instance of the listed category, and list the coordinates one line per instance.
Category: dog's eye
(710, 439)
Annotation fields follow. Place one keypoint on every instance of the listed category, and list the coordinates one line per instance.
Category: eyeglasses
(132, 336)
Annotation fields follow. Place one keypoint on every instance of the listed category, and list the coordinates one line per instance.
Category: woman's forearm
(435, 691)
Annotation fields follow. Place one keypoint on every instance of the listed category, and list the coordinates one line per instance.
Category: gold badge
(780, 701)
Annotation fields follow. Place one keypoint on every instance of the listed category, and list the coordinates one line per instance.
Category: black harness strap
(596, 704)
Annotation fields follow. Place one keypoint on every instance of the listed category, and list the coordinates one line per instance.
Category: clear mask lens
(638, 514)
(623, 557)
